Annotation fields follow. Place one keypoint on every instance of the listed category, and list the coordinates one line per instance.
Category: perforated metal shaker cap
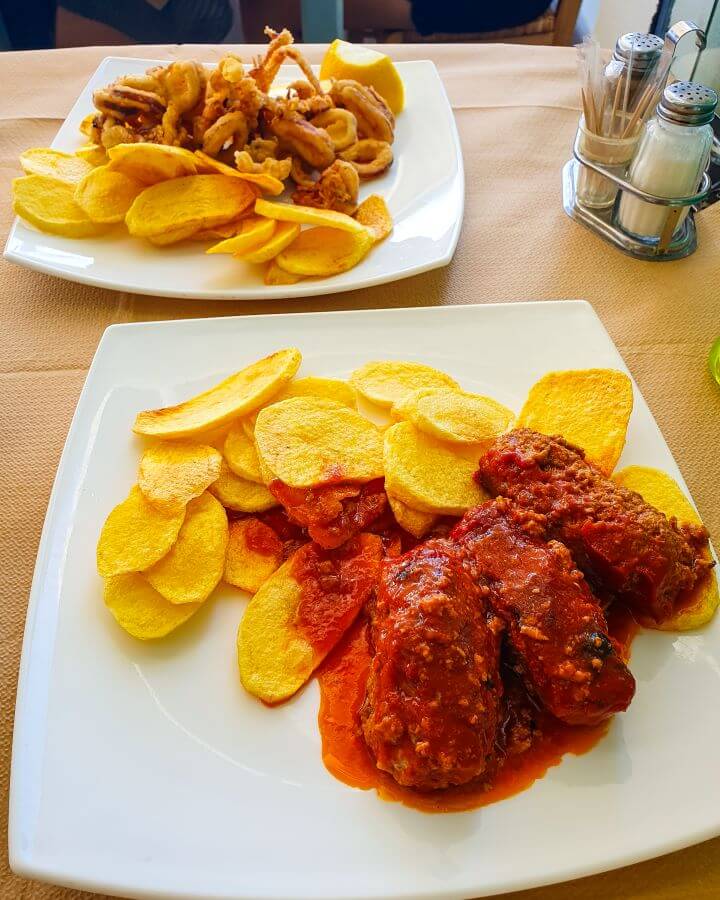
(688, 103)
(645, 49)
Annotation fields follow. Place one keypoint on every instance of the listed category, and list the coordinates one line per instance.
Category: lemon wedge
(345, 60)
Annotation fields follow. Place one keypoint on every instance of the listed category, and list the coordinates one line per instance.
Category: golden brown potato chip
(268, 184)
(455, 416)
(240, 494)
(284, 235)
(200, 200)
(106, 196)
(308, 215)
(275, 660)
(174, 236)
(241, 456)
(310, 386)
(95, 154)
(275, 275)
(140, 610)
(414, 521)
(136, 535)
(173, 472)
(64, 166)
(374, 214)
(221, 232)
(152, 163)
(192, 569)
(307, 441)
(253, 233)
(588, 407)
(254, 552)
(235, 396)
(664, 493)
(49, 204)
(324, 251)
(274, 656)
(386, 382)
(427, 474)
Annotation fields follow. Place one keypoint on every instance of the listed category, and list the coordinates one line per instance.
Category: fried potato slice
(309, 386)
(174, 236)
(253, 233)
(140, 610)
(240, 454)
(49, 204)
(307, 441)
(664, 493)
(285, 234)
(190, 572)
(66, 167)
(237, 395)
(275, 275)
(307, 215)
(95, 154)
(386, 382)
(324, 252)
(152, 163)
(268, 184)
(374, 214)
(274, 659)
(200, 200)
(588, 407)
(427, 474)
(281, 641)
(414, 521)
(240, 494)
(221, 232)
(87, 124)
(106, 196)
(173, 472)
(136, 535)
(254, 552)
(455, 416)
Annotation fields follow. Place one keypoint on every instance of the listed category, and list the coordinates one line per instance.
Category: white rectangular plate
(146, 770)
(424, 190)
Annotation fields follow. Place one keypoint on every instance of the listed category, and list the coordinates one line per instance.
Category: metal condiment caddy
(599, 155)
(669, 246)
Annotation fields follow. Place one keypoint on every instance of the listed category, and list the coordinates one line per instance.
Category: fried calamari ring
(121, 101)
(311, 144)
(261, 149)
(299, 175)
(232, 126)
(340, 124)
(374, 118)
(369, 157)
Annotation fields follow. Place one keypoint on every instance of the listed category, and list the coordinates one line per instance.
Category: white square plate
(424, 190)
(147, 770)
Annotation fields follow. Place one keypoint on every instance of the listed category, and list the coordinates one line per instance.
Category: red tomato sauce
(335, 585)
(342, 679)
(260, 538)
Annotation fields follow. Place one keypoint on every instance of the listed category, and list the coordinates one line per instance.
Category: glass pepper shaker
(635, 54)
(672, 155)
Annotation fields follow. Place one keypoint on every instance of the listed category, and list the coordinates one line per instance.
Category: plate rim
(29, 865)
(301, 290)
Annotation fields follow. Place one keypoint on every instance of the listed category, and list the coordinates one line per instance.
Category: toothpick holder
(668, 246)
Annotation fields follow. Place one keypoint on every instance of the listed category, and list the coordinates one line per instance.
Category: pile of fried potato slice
(169, 194)
(204, 506)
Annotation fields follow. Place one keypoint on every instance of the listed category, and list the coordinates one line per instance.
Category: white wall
(607, 19)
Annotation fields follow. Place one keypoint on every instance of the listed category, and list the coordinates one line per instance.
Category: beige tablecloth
(516, 109)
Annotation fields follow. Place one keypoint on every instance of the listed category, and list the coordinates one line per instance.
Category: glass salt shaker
(635, 54)
(673, 153)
